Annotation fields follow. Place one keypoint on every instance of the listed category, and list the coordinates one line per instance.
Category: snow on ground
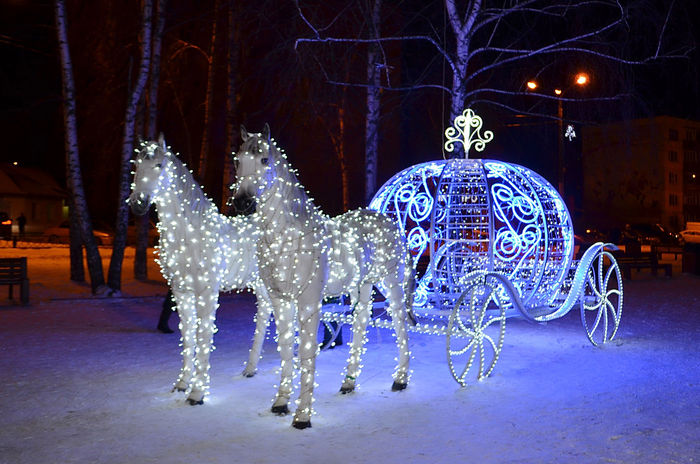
(88, 380)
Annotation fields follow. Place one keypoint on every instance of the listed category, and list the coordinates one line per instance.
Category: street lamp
(581, 79)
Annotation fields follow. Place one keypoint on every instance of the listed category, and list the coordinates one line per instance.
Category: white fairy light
(304, 255)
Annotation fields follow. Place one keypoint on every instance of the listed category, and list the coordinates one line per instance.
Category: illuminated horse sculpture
(201, 252)
(303, 255)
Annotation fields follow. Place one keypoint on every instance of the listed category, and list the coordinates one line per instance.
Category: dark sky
(103, 35)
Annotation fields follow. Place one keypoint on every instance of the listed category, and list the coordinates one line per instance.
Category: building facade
(34, 194)
(641, 171)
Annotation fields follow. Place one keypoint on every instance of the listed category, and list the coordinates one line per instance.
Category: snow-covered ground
(87, 380)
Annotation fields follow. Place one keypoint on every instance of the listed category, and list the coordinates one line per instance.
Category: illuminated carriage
(492, 240)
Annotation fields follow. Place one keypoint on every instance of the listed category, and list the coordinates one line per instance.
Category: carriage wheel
(601, 299)
(475, 331)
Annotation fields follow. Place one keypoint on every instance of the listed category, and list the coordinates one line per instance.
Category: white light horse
(200, 253)
(304, 255)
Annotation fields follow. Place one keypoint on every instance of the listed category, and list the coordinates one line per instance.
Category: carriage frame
(471, 310)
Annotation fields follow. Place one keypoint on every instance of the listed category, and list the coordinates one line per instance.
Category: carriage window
(673, 156)
(672, 134)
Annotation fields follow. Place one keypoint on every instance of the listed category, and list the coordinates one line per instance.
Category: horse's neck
(286, 204)
(182, 203)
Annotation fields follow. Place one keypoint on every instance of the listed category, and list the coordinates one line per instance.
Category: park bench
(642, 261)
(13, 271)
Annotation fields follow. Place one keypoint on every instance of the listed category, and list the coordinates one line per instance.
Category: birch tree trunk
(373, 107)
(204, 149)
(231, 132)
(79, 217)
(77, 270)
(115, 264)
(142, 222)
(462, 31)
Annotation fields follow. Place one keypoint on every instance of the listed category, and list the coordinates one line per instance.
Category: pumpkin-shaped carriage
(493, 240)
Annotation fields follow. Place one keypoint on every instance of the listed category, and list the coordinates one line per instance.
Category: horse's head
(148, 175)
(254, 164)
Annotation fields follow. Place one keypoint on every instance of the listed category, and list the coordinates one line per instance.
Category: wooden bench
(643, 261)
(13, 271)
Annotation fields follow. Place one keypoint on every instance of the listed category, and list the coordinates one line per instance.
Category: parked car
(653, 234)
(131, 232)
(691, 235)
(5, 226)
(61, 234)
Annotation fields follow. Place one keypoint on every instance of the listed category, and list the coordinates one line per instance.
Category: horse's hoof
(192, 402)
(280, 410)
(398, 386)
(345, 390)
(248, 374)
(301, 425)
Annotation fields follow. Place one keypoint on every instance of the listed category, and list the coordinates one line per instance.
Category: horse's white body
(201, 252)
(304, 255)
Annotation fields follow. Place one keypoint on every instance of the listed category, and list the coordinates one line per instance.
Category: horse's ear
(266, 132)
(244, 133)
(161, 141)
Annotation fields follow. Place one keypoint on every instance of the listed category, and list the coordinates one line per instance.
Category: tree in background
(80, 217)
(142, 223)
(115, 264)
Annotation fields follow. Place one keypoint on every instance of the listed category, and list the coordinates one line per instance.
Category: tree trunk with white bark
(142, 223)
(79, 216)
(373, 107)
(204, 148)
(115, 264)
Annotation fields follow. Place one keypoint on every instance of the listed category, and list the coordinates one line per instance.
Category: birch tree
(142, 222)
(373, 104)
(79, 215)
(115, 265)
(231, 69)
(204, 148)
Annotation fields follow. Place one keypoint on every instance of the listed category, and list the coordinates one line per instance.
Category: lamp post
(581, 79)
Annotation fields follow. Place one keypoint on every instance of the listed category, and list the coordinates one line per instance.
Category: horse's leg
(188, 328)
(284, 321)
(361, 316)
(398, 313)
(262, 321)
(207, 303)
(309, 312)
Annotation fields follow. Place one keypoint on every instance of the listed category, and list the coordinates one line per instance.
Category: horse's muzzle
(244, 205)
(139, 205)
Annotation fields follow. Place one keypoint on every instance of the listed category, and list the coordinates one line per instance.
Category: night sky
(275, 84)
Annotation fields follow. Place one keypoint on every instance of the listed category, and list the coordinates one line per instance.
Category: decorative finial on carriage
(466, 131)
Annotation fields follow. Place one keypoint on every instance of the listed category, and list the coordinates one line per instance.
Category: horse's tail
(409, 285)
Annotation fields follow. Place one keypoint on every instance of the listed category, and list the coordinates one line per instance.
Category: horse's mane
(301, 205)
(192, 193)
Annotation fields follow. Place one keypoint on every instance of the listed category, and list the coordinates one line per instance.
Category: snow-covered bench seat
(13, 271)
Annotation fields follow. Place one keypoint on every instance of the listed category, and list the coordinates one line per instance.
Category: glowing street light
(581, 79)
